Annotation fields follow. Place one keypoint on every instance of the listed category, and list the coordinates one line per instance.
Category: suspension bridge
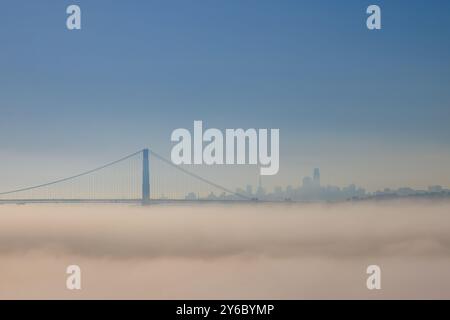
(141, 177)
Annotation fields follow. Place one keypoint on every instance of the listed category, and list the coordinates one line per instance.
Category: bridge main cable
(72, 177)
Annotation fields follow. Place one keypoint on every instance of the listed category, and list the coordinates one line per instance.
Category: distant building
(435, 189)
(316, 177)
(278, 191)
(307, 182)
(191, 196)
(249, 190)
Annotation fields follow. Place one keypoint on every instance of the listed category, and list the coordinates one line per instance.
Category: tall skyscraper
(316, 177)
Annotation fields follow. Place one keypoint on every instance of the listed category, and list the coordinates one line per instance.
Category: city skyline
(311, 190)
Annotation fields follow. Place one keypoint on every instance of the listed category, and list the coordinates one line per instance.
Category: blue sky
(345, 98)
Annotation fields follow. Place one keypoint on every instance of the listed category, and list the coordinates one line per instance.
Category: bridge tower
(145, 177)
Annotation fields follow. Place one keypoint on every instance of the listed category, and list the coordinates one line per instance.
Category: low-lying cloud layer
(273, 245)
(117, 232)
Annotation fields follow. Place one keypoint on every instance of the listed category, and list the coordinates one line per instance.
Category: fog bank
(226, 251)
